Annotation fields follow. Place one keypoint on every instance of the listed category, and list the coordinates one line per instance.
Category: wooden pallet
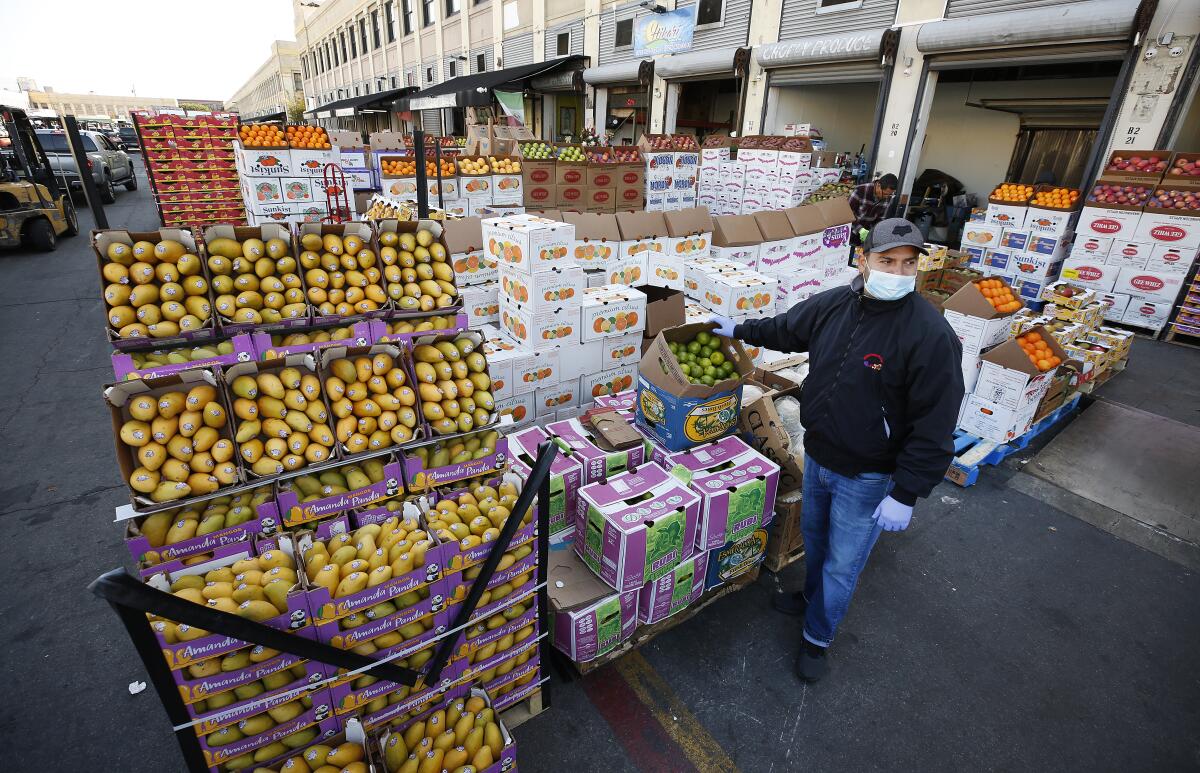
(1181, 338)
(972, 453)
(779, 562)
(647, 632)
(523, 710)
(1139, 331)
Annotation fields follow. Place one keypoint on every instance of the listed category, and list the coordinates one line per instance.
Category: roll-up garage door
(700, 65)
(843, 72)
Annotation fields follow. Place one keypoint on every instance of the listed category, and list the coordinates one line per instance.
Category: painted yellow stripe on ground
(702, 749)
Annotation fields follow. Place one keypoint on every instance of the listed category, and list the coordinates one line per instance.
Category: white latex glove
(724, 325)
(892, 515)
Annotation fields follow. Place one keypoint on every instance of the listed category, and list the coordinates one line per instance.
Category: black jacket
(884, 383)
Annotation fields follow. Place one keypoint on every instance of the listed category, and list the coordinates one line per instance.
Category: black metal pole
(422, 178)
(543, 538)
(85, 173)
(437, 152)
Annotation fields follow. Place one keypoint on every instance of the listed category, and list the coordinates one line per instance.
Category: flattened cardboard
(735, 231)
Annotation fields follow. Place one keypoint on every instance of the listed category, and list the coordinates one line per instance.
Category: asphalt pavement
(997, 633)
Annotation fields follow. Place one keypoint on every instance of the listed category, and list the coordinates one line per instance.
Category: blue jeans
(839, 532)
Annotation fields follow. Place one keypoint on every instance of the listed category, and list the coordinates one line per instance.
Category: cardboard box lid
(344, 138)
(968, 300)
(659, 366)
(571, 584)
(835, 211)
(664, 309)
(774, 225)
(641, 225)
(463, 235)
(594, 225)
(689, 221)
(1010, 354)
(805, 220)
(735, 231)
(388, 140)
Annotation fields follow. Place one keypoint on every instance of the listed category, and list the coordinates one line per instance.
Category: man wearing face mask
(879, 407)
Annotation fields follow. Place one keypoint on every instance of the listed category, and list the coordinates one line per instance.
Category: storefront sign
(433, 103)
(823, 48)
(664, 33)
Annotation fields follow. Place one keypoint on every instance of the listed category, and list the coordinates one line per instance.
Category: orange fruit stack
(261, 135)
(1059, 198)
(308, 137)
(1038, 351)
(402, 167)
(999, 295)
(1013, 192)
(448, 168)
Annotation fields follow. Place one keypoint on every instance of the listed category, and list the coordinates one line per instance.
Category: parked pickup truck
(109, 165)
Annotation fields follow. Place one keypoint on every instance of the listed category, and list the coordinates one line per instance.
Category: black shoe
(793, 604)
(812, 664)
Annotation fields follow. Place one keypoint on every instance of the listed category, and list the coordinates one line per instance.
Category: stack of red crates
(191, 166)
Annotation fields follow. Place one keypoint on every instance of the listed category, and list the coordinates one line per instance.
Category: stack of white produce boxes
(568, 341)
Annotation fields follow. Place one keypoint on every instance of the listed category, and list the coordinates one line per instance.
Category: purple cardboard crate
(443, 694)
(400, 358)
(523, 595)
(139, 547)
(459, 324)
(639, 525)
(597, 462)
(222, 555)
(429, 607)
(532, 665)
(507, 762)
(484, 635)
(236, 712)
(672, 592)
(502, 702)
(454, 558)
(623, 401)
(320, 714)
(587, 632)
(295, 513)
(566, 478)
(198, 689)
(736, 484)
(243, 351)
(380, 514)
(361, 334)
(473, 670)
(417, 477)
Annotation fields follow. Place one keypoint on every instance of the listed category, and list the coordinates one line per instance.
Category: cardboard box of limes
(689, 387)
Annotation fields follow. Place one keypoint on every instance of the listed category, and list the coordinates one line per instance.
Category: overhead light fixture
(652, 6)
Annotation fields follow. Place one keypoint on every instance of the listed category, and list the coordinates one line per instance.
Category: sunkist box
(590, 618)
(676, 412)
(1007, 393)
(736, 237)
(464, 244)
(637, 526)
(736, 484)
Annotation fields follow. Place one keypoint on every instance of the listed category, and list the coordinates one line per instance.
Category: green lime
(726, 369)
(673, 346)
(704, 337)
(687, 369)
(707, 380)
(694, 347)
(709, 370)
(716, 358)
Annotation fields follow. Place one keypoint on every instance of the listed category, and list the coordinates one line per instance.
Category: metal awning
(343, 108)
(1065, 24)
(632, 73)
(822, 49)
(716, 63)
(476, 90)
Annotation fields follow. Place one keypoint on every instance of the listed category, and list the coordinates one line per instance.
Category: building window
(297, 84)
(333, 45)
(710, 12)
(356, 91)
(838, 5)
(375, 28)
(480, 63)
(426, 13)
(512, 17)
(393, 81)
(389, 17)
(304, 64)
(353, 43)
(429, 75)
(453, 68)
(624, 34)
(328, 61)
(342, 37)
(562, 43)
(451, 7)
(406, 10)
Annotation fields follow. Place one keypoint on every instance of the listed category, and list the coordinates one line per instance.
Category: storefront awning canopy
(348, 107)
(821, 49)
(716, 63)
(1074, 23)
(475, 90)
(620, 74)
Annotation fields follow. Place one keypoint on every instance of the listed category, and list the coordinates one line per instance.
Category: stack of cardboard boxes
(284, 185)
(672, 170)
(191, 166)
(761, 173)
(600, 179)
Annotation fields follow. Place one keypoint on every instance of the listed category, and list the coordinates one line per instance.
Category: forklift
(34, 209)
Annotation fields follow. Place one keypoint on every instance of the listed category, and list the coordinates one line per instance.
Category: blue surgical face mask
(888, 287)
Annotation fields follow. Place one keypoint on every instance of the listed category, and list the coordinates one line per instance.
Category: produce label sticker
(664, 544)
(745, 504)
(608, 623)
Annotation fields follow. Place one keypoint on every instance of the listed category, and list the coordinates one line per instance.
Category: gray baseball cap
(894, 232)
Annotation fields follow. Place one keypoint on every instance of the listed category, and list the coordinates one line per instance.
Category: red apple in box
(1111, 193)
(1173, 198)
(1149, 164)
